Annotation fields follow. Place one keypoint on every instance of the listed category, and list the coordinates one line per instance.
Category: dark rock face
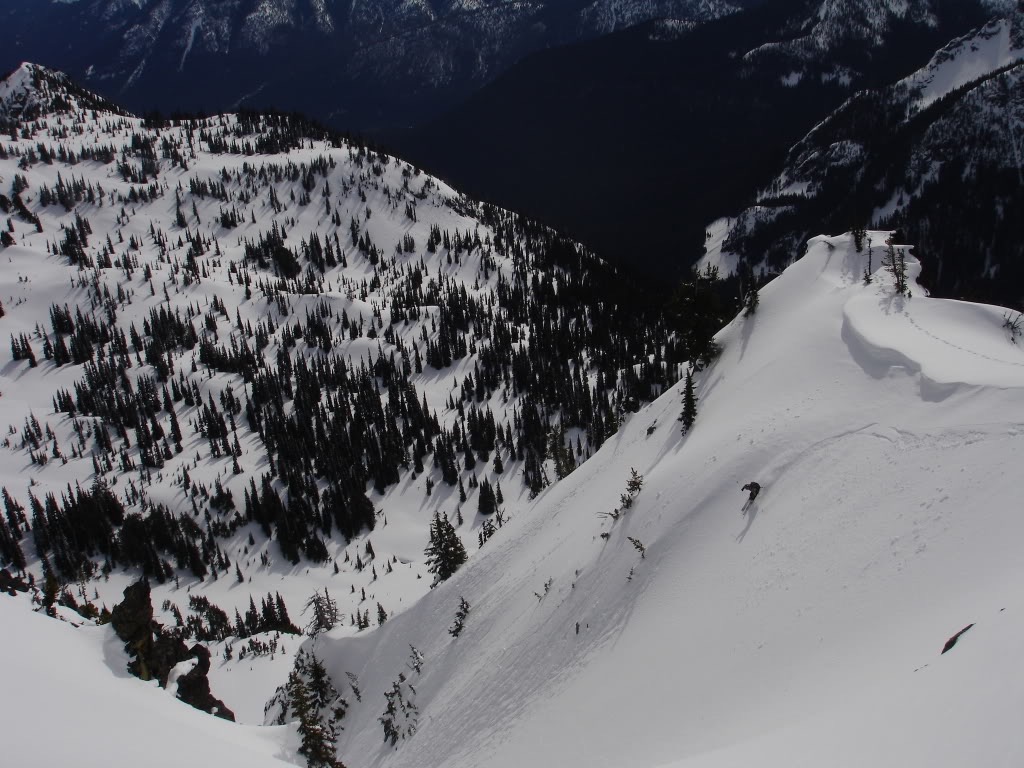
(194, 687)
(132, 618)
(11, 584)
(155, 651)
(166, 650)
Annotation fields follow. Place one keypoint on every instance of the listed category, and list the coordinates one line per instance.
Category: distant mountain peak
(833, 23)
(944, 138)
(997, 44)
(32, 90)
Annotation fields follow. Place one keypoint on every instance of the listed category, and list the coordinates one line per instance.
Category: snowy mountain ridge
(32, 91)
(998, 44)
(834, 22)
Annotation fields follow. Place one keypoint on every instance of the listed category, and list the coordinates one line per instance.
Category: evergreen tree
(317, 733)
(689, 414)
(486, 503)
(699, 313)
(445, 552)
(859, 233)
(324, 613)
(751, 300)
(635, 483)
(895, 262)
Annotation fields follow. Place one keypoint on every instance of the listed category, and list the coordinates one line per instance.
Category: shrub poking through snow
(401, 715)
(638, 546)
(460, 618)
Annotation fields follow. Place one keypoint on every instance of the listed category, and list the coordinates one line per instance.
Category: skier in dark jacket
(754, 488)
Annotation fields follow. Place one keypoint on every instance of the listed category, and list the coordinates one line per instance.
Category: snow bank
(69, 701)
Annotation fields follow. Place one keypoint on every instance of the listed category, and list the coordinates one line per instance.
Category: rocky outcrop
(194, 686)
(12, 585)
(155, 652)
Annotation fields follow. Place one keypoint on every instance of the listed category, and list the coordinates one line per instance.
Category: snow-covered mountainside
(32, 91)
(332, 367)
(356, 64)
(883, 431)
(719, 105)
(998, 44)
(831, 24)
(809, 630)
(821, 43)
(937, 154)
(250, 362)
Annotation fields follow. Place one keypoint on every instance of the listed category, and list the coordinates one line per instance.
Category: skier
(754, 488)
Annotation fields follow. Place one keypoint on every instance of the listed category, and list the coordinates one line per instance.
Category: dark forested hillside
(937, 155)
(353, 65)
(316, 321)
(634, 142)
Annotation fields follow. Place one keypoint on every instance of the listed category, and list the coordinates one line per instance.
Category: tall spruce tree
(689, 414)
(486, 503)
(751, 300)
(698, 313)
(460, 618)
(445, 553)
(318, 734)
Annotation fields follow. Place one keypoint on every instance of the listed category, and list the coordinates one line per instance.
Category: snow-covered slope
(994, 46)
(386, 303)
(965, 60)
(883, 431)
(32, 90)
(74, 680)
(829, 24)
